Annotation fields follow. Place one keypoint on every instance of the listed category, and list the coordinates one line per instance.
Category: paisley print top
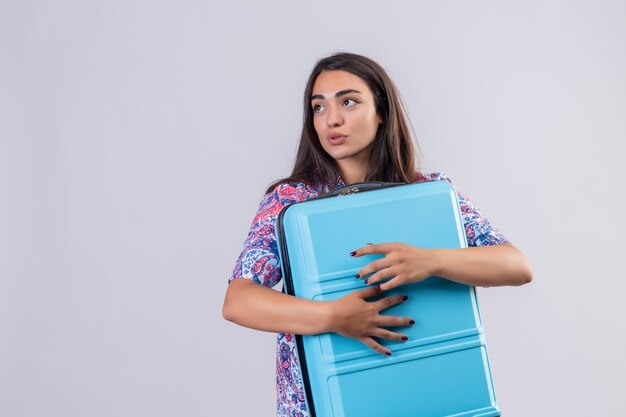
(259, 261)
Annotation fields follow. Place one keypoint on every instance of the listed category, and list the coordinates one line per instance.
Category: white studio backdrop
(137, 138)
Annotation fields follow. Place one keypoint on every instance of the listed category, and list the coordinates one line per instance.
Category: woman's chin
(339, 156)
(336, 154)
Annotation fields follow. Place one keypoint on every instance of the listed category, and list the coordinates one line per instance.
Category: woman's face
(344, 116)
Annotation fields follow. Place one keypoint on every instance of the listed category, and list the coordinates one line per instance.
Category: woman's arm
(483, 266)
(262, 308)
(256, 306)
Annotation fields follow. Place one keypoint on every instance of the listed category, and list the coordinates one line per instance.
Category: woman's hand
(353, 316)
(402, 263)
(483, 266)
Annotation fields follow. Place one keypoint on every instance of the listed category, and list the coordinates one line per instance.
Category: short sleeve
(478, 228)
(258, 260)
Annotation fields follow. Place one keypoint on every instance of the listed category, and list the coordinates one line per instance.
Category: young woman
(355, 130)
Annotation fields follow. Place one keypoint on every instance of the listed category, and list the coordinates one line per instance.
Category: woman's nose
(334, 116)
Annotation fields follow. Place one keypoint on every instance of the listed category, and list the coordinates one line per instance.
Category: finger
(373, 248)
(372, 267)
(389, 335)
(381, 275)
(392, 283)
(394, 321)
(368, 292)
(388, 302)
(375, 345)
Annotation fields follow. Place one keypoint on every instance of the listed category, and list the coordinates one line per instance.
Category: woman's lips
(337, 139)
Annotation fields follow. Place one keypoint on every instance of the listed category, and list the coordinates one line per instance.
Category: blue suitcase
(443, 370)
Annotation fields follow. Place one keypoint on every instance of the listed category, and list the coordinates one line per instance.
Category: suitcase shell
(443, 369)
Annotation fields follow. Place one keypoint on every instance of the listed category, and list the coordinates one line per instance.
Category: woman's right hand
(353, 316)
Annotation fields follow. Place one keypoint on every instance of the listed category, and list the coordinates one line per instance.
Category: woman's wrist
(439, 259)
(325, 317)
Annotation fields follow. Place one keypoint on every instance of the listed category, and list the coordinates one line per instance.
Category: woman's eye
(349, 102)
(317, 108)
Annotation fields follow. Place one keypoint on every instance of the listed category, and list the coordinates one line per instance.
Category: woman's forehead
(328, 83)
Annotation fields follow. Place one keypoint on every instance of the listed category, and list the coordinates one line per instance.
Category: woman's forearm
(252, 305)
(484, 266)
(258, 307)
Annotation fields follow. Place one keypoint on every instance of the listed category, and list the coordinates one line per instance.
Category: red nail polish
(365, 281)
(411, 322)
(353, 253)
(388, 353)
(405, 297)
(405, 338)
(358, 276)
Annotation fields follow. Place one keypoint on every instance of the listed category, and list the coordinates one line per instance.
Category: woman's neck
(352, 171)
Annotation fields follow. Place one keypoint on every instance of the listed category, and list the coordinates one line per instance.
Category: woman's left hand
(402, 263)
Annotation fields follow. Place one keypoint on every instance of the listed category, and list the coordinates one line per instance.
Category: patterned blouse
(259, 261)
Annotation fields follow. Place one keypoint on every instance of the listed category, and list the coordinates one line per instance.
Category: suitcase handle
(360, 187)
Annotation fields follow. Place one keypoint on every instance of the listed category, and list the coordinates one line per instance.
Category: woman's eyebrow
(337, 94)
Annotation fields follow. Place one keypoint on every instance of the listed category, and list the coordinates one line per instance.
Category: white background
(137, 138)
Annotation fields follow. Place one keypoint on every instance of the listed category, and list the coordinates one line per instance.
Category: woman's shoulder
(278, 197)
(431, 176)
(293, 191)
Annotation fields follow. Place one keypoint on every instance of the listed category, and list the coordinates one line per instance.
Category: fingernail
(370, 243)
(411, 322)
(405, 338)
(366, 281)
(358, 276)
(405, 297)
(388, 353)
(353, 253)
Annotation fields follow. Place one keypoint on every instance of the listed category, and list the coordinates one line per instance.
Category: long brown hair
(393, 154)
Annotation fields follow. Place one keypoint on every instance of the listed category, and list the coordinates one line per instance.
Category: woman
(355, 130)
